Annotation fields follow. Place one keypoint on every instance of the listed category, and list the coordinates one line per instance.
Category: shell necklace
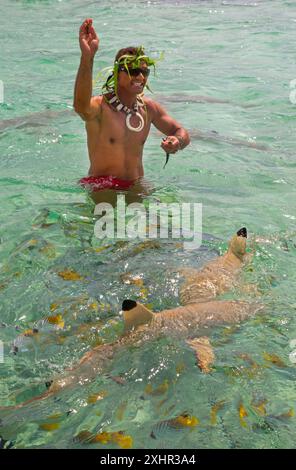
(119, 106)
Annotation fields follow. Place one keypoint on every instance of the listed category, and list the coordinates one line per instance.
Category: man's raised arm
(84, 104)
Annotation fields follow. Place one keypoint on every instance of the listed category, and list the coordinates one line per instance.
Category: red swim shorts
(98, 183)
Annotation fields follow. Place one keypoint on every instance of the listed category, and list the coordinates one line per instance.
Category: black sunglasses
(135, 72)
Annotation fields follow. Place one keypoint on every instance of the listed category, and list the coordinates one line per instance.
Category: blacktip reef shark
(214, 136)
(42, 118)
(37, 119)
(184, 98)
(199, 309)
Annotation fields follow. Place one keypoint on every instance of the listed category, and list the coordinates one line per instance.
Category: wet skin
(113, 148)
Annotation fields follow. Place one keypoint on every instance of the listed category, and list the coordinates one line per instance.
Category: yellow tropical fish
(288, 414)
(274, 359)
(184, 420)
(30, 332)
(23, 341)
(49, 426)
(242, 415)
(124, 441)
(53, 307)
(96, 397)
(32, 242)
(160, 390)
(251, 371)
(52, 422)
(90, 438)
(102, 438)
(56, 320)
(101, 248)
(179, 422)
(93, 306)
(70, 275)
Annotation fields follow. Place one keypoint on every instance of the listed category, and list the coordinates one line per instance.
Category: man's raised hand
(88, 39)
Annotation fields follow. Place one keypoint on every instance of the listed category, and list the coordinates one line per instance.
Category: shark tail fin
(135, 314)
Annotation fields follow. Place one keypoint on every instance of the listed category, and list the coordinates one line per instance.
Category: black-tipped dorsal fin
(135, 314)
(242, 232)
(128, 304)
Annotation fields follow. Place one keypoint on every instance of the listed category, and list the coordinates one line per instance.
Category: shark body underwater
(199, 309)
(43, 119)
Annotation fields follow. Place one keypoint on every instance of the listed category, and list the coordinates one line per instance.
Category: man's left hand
(170, 144)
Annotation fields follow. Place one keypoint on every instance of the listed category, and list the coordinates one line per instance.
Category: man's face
(136, 80)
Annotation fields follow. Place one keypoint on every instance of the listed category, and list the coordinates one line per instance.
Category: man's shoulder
(98, 103)
(152, 105)
(149, 101)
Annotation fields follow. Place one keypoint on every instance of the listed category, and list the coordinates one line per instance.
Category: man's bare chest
(121, 128)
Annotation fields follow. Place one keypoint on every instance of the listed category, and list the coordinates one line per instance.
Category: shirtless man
(116, 134)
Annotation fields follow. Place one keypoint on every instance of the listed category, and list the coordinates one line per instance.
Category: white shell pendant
(128, 123)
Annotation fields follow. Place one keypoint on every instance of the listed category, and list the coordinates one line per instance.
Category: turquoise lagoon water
(240, 52)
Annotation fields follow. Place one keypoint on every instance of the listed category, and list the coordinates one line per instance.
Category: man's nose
(140, 73)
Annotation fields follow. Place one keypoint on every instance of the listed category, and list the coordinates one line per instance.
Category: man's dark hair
(127, 51)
